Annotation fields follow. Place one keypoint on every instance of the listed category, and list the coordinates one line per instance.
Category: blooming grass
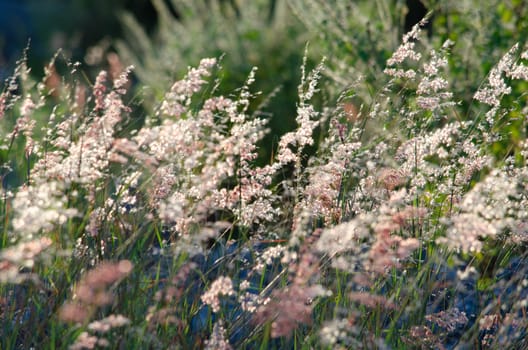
(404, 230)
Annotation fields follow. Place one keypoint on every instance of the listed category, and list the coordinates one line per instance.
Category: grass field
(398, 222)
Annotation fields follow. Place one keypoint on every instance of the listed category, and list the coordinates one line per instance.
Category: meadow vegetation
(391, 215)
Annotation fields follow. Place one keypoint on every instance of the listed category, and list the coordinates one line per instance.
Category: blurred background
(70, 25)
(162, 38)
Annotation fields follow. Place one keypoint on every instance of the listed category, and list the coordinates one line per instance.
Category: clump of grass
(170, 234)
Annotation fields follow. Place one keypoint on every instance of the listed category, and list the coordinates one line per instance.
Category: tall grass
(406, 229)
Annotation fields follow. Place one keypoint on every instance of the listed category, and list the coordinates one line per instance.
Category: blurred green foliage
(358, 37)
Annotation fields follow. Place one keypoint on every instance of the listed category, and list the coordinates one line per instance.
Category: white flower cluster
(106, 324)
(495, 205)
(306, 120)
(179, 98)
(405, 51)
(39, 208)
(496, 87)
(218, 339)
(221, 286)
(432, 94)
(339, 332)
(444, 157)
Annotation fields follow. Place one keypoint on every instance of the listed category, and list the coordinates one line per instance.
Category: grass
(405, 228)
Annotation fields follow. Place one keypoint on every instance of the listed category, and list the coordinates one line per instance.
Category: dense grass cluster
(396, 221)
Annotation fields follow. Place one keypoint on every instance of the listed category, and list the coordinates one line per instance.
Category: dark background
(70, 25)
(75, 25)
